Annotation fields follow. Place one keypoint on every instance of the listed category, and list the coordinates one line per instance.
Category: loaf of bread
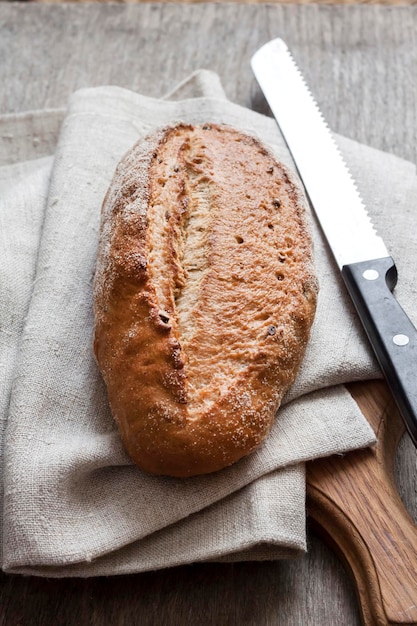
(204, 296)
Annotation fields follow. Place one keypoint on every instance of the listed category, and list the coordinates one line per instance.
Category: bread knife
(367, 268)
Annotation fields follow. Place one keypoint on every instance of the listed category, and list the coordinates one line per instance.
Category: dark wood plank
(360, 61)
(350, 2)
(309, 592)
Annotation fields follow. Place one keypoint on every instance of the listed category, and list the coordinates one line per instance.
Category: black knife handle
(391, 333)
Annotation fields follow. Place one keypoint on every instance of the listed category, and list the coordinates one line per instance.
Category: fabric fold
(74, 504)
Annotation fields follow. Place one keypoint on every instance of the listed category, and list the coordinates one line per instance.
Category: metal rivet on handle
(401, 340)
(370, 274)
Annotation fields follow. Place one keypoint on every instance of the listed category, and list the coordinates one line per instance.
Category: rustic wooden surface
(355, 506)
(361, 62)
(382, 2)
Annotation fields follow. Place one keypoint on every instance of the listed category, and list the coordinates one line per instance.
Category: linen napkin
(74, 505)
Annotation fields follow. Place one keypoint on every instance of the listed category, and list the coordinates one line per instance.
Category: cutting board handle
(354, 504)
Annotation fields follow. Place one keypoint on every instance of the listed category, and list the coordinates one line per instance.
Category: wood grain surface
(361, 62)
(328, 2)
(382, 2)
(354, 504)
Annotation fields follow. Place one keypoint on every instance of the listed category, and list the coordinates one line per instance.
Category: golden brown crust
(204, 296)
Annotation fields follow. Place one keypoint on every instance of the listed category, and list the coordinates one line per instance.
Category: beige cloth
(74, 505)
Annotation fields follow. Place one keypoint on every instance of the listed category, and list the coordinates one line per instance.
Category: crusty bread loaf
(204, 296)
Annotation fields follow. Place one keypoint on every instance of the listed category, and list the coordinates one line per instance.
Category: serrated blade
(329, 185)
(367, 269)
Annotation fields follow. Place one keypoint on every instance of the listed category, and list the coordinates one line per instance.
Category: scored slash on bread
(204, 296)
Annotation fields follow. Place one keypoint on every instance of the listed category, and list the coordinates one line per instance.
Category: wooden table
(361, 63)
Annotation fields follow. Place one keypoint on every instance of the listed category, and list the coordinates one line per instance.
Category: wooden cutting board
(354, 505)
